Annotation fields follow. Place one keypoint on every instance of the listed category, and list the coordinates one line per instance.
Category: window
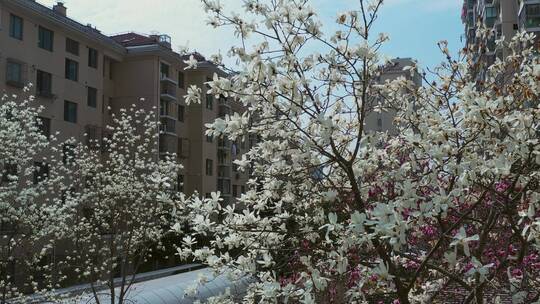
(164, 70)
(41, 172)
(45, 39)
(181, 113)
(72, 46)
(44, 84)
(14, 74)
(243, 189)
(209, 138)
(93, 58)
(532, 15)
(16, 27)
(70, 111)
(235, 191)
(68, 154)
(92, 97)
(209, 101)
(9, 172)
(44, 125)
(491, 12)
(209, 167)
(224, 186)
(72, 70)
(181, 79)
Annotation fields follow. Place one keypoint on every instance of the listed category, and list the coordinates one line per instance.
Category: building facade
(505, 18)
(82, 77)
(384, 121)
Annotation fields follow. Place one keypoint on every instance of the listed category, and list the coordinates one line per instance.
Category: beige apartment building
(78, 73)
(384, 121)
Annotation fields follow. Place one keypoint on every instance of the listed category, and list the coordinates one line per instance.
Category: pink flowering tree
(445, 209)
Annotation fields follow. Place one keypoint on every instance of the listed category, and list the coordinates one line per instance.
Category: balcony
(223, 158)
(168, 91)
(166, 79)
(224, 186)
(168, 109)
(529, 17)
(167, 144)
(167, 125)
(224, 144)
(224, 172)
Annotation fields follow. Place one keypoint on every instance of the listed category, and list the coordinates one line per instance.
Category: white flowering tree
(122, 196)
(446, 209)
(29, 218)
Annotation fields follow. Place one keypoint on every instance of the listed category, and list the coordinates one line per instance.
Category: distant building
(505, 17)
(79, 73)
(384, 121)
(82, 77)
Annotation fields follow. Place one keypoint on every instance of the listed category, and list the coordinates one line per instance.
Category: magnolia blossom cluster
(28, 216)
(81, 211)
(336, 213)
(123, 198)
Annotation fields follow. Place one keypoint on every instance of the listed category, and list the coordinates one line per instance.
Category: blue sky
(414, 26)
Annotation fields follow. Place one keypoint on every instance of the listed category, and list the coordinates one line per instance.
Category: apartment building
(153, 71)
(68, 64)
(384, 121)
(505, 17)
(81, 77)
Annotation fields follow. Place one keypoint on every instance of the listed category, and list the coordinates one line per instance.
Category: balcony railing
(165, 78)
(168, 108)
(168, 125)
(224, 186)
(168, 91)
(224, 143)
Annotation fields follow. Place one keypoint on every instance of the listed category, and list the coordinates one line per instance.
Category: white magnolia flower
(191, 63)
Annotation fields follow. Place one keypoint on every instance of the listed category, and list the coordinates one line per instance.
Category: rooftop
(45, 11)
